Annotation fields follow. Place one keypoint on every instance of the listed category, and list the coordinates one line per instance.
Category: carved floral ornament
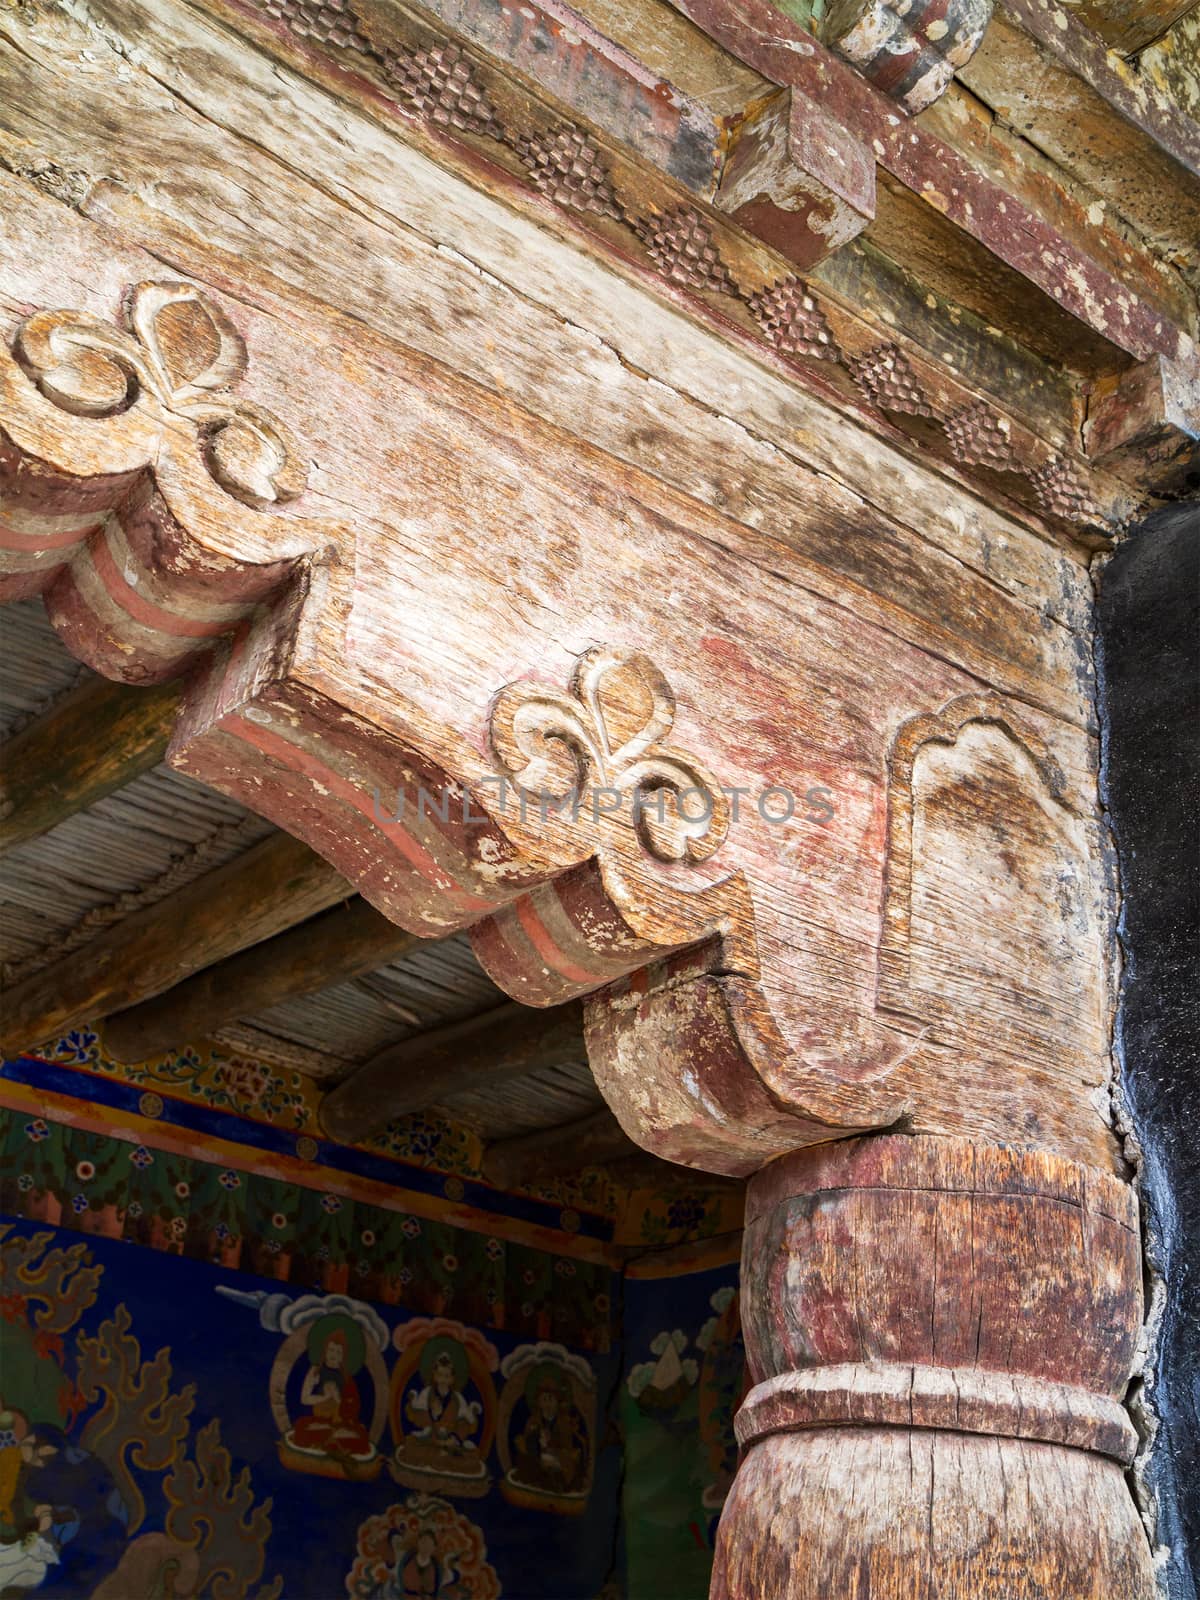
(183, 352)
(599, 747)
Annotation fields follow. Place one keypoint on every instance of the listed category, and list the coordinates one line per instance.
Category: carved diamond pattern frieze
(793, 321)
(1059, 492)
(439, 84)
(681, 246)
(445, 88)
(567, 168)
(978, 437)
(325, 22)
(886, 377)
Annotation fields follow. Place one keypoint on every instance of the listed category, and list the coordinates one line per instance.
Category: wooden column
(773, 744)
(939, 1335)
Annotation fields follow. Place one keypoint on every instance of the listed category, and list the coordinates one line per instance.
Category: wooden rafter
(96, 739)
(592, 1141)
(509, 1041)
(276, 884)
(339, 944)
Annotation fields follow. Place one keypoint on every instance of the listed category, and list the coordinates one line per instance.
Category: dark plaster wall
(1149, 651)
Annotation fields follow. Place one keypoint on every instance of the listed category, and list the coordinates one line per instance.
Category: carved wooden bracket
(797, 179)
(813, 879)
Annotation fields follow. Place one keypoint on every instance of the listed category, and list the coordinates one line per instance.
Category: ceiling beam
(95, 739)
(509, 1041)
(276, 884)
(339, 944)
(530, 1158)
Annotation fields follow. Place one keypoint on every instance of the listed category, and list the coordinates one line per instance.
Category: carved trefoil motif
(598, 751)
(182, 350)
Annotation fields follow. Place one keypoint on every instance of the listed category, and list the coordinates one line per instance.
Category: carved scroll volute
(601, 751)
(181, 351)
(136, 458)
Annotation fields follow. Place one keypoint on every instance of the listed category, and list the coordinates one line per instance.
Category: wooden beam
(552, 1152)
(277, 883)
(509, 1041)
(339, 944)
(96, 739)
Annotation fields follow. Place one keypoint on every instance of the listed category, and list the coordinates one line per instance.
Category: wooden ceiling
(138, 902)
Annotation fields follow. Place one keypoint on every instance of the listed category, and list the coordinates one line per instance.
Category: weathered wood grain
(100, 737)
(1146, 423)
(1092, 113)
(903, 1515)
(275, 884)
(760, 266)
(1079, 212)
(1129, 25)
(443, 502)
(340, 944)
(510, 1041)
(953, 1326)
(334, 693)
(829, 92)
(941, 176)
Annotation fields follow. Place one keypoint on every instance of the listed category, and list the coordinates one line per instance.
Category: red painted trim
(311, 766)
(34, 543)
(142, 610)
(539, 937)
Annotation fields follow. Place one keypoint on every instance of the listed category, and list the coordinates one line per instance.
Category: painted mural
(182, 1432)
(443, 1408)
(684, 1378)
(219, 1332)
(112, 1485)
(423, 1547)
(217, 1094)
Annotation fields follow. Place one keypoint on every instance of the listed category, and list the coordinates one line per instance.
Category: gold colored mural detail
(141, 1422)
(216, 1534)
(216, 1513)
(60, 1281)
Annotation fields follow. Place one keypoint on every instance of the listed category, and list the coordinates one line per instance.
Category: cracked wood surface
(514, 455)
(415, 490)
(939, 1337)
(957, 354)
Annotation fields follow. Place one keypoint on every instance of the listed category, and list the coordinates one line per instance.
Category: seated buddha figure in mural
(420, 1570)
(442, 1443)
(551, 1450)
(333, 1425)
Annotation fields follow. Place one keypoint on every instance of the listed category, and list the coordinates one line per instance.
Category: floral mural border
(205, 1206)
(423, 1146)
